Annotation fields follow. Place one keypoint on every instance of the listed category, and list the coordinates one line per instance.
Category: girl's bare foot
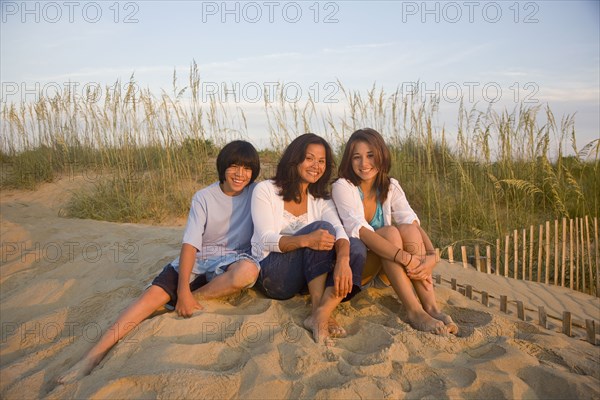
(320, 330)
(79, 370)
(334, 329)
(424, 322)
(447, 320)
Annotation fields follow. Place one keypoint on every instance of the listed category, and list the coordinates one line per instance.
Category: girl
(299, 238)
(373, 207)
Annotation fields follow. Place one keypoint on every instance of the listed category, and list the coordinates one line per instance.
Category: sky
(505, 52)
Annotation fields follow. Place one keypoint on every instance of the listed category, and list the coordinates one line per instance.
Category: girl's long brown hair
(381, 155)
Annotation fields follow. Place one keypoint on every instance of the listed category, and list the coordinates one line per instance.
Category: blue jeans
(283, 275)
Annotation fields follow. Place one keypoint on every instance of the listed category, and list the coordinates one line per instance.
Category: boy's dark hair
(238, 152)
(381, 155)
(287, 177)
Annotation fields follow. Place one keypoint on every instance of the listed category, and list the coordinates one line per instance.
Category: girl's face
(237, 177)
(313, 167)
(363, 161)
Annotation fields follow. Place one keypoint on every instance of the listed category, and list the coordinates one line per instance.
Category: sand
(63, 282)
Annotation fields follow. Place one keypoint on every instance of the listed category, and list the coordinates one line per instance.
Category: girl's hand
(320, 239)
(342, 279)
(424, 270)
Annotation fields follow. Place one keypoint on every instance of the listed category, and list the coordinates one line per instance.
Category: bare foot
(335, 329)
(447, 320)
(424, 322)
(320, 331)
(79, 370)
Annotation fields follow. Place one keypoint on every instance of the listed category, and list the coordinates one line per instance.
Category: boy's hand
(187, 304)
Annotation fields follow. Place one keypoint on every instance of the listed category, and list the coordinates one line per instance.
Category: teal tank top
(377, 221)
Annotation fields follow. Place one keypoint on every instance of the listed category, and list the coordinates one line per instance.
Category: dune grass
(147, 155)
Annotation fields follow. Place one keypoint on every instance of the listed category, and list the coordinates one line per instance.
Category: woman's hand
(187, 304)
(320, 239)
(342, 278)
(424, 270)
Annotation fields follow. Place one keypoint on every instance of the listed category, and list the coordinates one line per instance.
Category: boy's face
(237, 177)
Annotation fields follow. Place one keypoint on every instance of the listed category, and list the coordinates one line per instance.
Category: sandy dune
(63, 282)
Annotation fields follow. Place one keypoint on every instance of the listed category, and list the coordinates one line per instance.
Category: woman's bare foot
(79, 370)
(422, 321)
(335, 329)
(447, 320)
(320, 330)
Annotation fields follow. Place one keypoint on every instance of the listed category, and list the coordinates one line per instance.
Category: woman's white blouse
(267, 216)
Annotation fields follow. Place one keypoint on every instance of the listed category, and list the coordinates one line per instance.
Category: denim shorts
(168, 279)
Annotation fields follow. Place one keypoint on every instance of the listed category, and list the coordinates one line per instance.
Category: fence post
(463, 251)
(485, 298)
(530, 252)
(590, 329)
(450, 254)
(477, 261)
(555, 252)
(520, 310)
(589, 251)
(564, 251)
(597, 247)
(576, 253)
(547, 265)
(498, 256)
(542, 317)
(488, 259)
(582, 256)
(566, 327)
(516, 254)
(503, 303)
(524, 254)
(571, 253)
(506, 244)
(540, 244)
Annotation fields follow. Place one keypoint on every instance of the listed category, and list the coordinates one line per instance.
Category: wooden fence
(567, 323)
(564, 253)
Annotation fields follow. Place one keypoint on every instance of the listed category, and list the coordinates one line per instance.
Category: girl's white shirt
(346, 197)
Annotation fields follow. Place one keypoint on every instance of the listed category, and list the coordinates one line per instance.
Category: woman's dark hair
(287, 177)
(238, 152)
(381, 155)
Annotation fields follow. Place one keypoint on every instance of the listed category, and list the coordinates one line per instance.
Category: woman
(216, 247)
(299, 239)
(373, 207)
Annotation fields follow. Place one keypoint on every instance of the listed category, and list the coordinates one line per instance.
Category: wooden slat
(564, 251)
(571, 261)
(555, 252)
(516, 254)
(540, 244)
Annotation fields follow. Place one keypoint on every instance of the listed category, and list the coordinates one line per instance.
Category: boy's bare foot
(447, 320)
(79, 370)
(335, 329)
(320, 331)
(424, 322)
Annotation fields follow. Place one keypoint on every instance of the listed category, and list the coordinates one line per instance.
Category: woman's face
(313, 167)
(363, 161)
(237, 177)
